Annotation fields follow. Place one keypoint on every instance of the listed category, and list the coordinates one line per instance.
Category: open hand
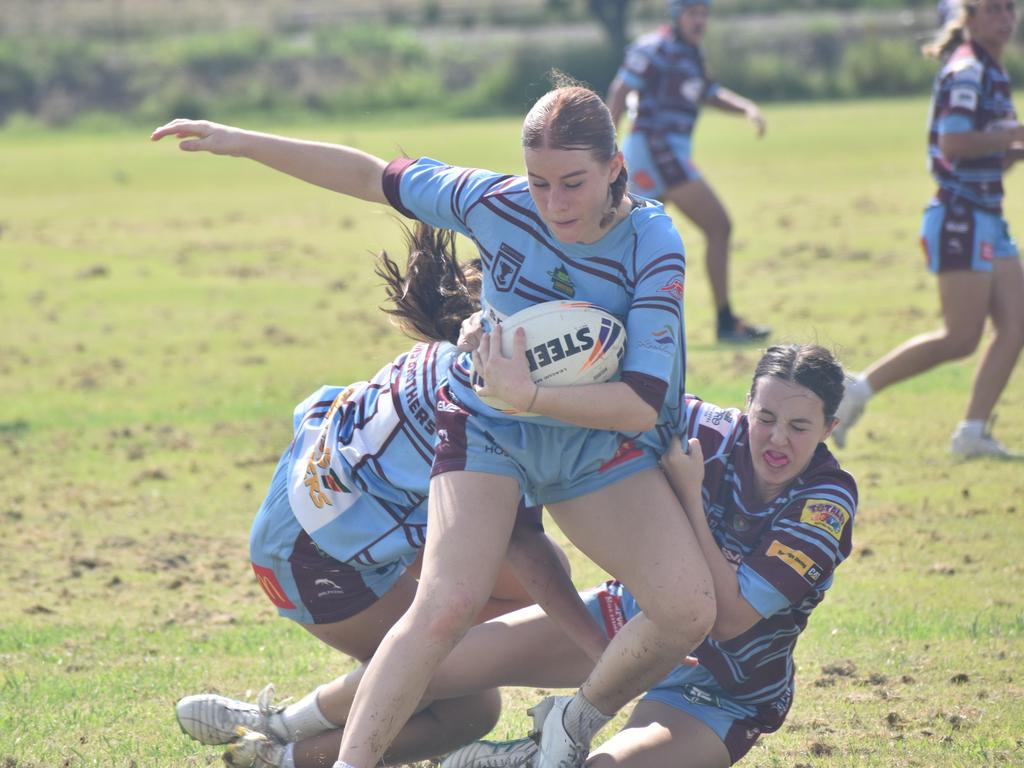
(203, 136)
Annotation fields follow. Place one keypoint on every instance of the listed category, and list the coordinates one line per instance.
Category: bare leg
(636, 530)
(699, 203)
(965, 298)
(657, 735)
(1007, 311)
(470, 517)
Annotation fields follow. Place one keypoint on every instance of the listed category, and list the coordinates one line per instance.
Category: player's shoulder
(963, 66)
(824, 475)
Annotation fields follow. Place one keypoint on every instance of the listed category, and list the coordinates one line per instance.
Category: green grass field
(161, 313)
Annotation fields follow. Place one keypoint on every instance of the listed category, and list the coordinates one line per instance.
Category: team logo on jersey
(506, 267)
(561, 281)
(675, 287)
(825, 514)
(271, 586)
(691, 89)
(794, 558)
(739, 522)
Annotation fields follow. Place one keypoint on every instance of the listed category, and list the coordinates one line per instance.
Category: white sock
(342, 764)
(861, 388)
(582, 719)
(971, 427)
(304, 719)
(288, 759)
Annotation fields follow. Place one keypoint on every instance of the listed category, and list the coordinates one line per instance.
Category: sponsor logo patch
(794, 558)
(643, 180)
(611, 611)
(627, 451)
(825, 514)
(271, 586)
(675, 287)
(963, 98)
(986, 251)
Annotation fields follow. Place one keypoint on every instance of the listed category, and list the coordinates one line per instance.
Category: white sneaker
(253, 750)
(849, 411)
(970, 445)
(519, 753)
(557, 748)
(212, 719)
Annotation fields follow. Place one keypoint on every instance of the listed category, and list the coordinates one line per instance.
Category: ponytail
(952, 34)
(435, 294)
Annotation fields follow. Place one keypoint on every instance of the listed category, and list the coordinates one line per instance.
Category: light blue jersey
(636, 271)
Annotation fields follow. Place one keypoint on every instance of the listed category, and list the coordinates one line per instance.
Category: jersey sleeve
(633, 71)
(959, 97)
(438, 194)
(654, 326)
(799, 553)
(713, 426)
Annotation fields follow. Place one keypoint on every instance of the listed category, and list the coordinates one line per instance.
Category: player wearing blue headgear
(973, 139)
(666, 73)
(565, 228)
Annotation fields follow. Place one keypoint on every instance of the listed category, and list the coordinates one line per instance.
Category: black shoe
(743, 332)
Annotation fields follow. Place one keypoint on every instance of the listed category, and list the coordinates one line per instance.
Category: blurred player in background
(974, 137)
(666, 72)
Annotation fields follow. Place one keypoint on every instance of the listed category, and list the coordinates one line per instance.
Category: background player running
(973, 138)
(666, 72)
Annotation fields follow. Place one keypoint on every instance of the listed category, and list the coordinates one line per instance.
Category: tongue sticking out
(776, 459)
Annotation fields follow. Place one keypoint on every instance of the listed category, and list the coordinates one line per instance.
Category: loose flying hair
(953, 33)
(435, 294)
(809, 365)
(573, 116)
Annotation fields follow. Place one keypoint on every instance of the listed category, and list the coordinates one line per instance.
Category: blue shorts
(690, 689)
(957, 235)
(658, 161)
(305, 583)
(550, 463)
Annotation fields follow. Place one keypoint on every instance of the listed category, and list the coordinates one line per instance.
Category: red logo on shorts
(986, 250)
(627, 451)
(924, 247)
(611, 612)
(643, 180)
(268, 581)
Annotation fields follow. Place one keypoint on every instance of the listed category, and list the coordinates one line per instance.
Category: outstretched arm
(730, 101)
(617, 93)
(331, 166)
(685, 472)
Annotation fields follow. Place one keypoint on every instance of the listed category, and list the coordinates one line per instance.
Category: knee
(960, 345)
(719, 228)
(688, 618)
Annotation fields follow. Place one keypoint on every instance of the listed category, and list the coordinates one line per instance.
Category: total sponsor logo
(826, 515)
(611, 611)
(663, 341)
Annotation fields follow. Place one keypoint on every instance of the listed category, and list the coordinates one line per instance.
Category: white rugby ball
(567, 343)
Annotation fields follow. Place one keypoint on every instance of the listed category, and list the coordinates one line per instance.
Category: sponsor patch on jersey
(825, 514)
(794, 558)
(643, 180)
(986, 251)
(271, 586)
(963, 98)
(663, 341)
(675, 287)
(719, 419)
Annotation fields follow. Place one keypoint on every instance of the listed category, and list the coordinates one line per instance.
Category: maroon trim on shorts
(672, 171)
(956, 237)
(452, 445)
(329, 589)
(390, 183)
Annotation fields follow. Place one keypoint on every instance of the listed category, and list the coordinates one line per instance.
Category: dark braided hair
(435, 294)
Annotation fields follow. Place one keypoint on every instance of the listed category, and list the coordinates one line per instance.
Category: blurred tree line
(145, 69)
